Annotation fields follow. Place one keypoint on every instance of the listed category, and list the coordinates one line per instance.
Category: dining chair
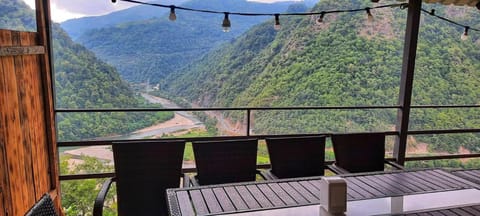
(143, 172)
(359, 152)
(44, 207)
(225, 161)
(296, 156)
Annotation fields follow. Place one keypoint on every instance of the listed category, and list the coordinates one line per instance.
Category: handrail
(68, 110)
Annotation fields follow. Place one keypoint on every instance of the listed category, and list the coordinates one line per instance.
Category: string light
(320, 18)
(465, 33)
(466, 28)
(172, 15)
(369, 15)
(276, 15)
(277, 25)
(226, 23)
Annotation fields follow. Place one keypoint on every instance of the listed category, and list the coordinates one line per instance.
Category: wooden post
(45, 38)
(406, 81)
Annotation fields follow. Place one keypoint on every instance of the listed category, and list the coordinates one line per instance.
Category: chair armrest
(395, 165)
(98, 206)
(267, 175)
(186, 180)
(336, 169)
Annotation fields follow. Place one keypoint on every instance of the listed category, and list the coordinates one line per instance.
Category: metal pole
(406, 82)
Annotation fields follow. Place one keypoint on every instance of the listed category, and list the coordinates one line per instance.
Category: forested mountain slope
(344, 61)
(151, 49)
(82, 81)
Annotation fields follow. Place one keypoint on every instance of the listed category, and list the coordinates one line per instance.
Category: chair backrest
(44, 207)
(143, 171)
(297, 156)
(225, 161)
(362, 152)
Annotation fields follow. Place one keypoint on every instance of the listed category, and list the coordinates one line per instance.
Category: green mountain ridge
(345, 61)
(149, 50)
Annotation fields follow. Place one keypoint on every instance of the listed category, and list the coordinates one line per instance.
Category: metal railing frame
(248, 111)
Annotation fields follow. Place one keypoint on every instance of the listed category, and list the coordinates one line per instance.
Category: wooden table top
(263, 195)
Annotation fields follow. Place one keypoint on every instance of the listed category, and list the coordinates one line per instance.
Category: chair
(44, 207)
(361, 152)
(225, 161)
(143, 171)
(296, 156)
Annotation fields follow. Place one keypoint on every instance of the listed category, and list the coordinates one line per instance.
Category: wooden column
(406, 81)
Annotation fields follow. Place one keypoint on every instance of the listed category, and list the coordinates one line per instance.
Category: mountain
(82, 81)
(76, 27)
(344, 61)
(148, 50)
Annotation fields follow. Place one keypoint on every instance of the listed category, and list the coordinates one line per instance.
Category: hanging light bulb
(465, 33)
(277, 25)
(320, 18)
(226, 23)
(172, 16)
(369, 15)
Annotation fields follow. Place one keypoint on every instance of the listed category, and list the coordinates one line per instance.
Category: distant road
(169, 104)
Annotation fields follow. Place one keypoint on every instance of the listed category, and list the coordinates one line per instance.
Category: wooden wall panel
(20, 179)
(4, 185)
(25, 160)
(32, 104)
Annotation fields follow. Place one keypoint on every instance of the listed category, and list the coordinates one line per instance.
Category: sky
(68, 9)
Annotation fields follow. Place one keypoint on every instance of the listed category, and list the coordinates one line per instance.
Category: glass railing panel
(282, 122)
(444, 118)
(443, 144)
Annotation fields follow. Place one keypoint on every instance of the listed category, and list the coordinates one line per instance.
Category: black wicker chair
(296, 156)
(225, 161)
(44, 207)
(360, 152)
(143, 172)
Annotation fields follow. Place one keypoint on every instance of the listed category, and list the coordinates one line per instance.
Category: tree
(78, 196)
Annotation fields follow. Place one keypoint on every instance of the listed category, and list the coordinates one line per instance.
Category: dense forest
(344, 61)
(149, 49)
(83, 81)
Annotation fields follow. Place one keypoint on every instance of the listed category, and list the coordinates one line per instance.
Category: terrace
(29, 147)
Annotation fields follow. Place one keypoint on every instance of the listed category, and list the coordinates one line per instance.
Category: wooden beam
(406, 81)
(43, 17)
(21, 50)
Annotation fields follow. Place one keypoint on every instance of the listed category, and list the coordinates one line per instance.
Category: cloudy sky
(68, 9)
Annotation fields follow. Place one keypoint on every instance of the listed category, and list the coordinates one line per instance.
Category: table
(293, 193)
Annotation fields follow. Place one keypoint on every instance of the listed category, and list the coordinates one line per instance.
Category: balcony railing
(248, 111)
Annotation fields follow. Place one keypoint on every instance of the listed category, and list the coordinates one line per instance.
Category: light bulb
(172, 15)
(369, 15)
(226, 23)
(320, 18)
(465, 33)
(277, 25)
